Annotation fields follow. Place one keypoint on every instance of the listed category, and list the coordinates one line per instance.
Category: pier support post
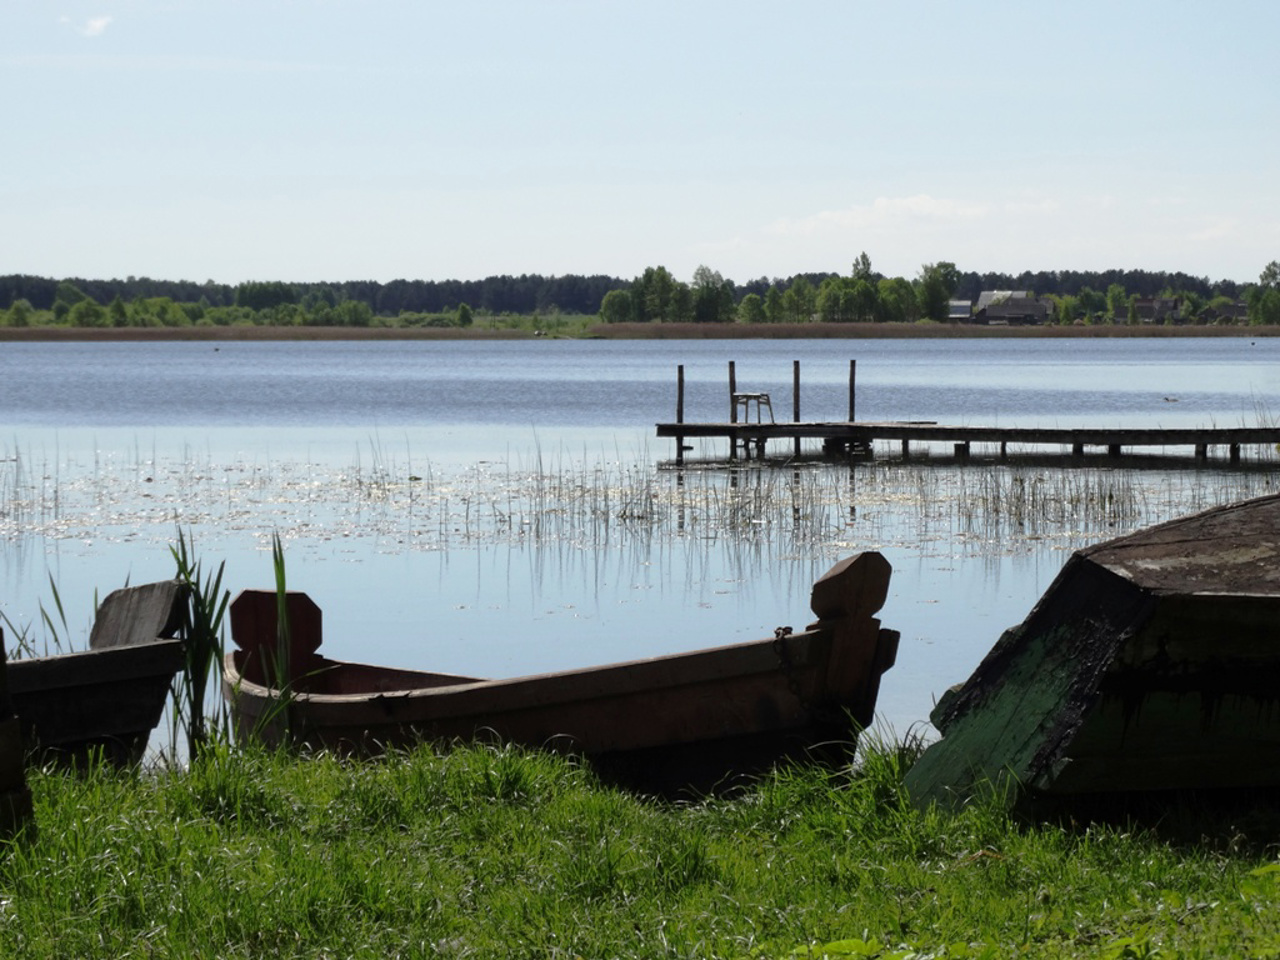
(1113, 450)
(1004, 450)
(1202, 451)
(1077, 449)
(906, 449)
(679, 412)
(733, 388)
(1235, 452)
(795, 400)
(853, 379)
(733, 411)
(962, 450)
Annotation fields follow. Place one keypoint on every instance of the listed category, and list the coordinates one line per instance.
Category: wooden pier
(749, 437)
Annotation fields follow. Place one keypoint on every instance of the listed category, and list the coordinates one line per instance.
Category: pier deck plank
(866, 433)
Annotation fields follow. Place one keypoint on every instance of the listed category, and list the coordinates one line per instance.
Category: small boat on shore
(1150, 665)
(694, 720)
(104, 701)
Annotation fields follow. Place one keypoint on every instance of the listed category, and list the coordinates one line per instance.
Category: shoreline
(625, 331)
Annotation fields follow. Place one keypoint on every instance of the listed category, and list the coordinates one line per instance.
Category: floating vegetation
(586, 504)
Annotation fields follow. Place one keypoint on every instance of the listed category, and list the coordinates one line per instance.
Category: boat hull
(684, 720)
(101, 703)
(1148, 667)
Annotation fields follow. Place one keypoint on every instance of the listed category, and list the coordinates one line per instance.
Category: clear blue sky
(375, 139)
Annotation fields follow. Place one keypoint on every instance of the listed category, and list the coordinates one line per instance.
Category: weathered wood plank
(139, 614)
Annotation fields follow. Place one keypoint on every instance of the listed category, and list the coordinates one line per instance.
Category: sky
(311, 140)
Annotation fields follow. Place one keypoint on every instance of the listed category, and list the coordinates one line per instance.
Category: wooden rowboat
(687, 720)
(106, 700)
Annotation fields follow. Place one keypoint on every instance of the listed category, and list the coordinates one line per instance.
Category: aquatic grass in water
(604, 502)
(55, 637)
(572, 560)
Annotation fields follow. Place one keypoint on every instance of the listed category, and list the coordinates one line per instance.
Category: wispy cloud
(92, 27)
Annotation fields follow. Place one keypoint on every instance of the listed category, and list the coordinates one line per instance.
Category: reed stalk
(206, 605)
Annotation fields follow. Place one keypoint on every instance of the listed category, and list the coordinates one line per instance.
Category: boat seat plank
(142, 614)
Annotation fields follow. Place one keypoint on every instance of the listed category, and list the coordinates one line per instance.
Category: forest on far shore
(863, 295)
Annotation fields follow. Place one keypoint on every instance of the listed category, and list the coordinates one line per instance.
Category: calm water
(498, 508)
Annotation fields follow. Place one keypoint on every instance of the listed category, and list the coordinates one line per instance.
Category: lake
(500, 508)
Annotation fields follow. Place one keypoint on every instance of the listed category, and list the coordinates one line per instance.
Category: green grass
(493, 852)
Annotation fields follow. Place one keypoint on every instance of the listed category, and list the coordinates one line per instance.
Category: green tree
(681, 308)
(712, 297)
(87, 313)
(19, 313)
(800, 301)
(356, 313)
(1117, 303)
(936, 283)
(464, 317)
(69, 293)
(1092, 302)
(654, 288)
(773, 310)
(862, 268)
(1221, 306)
(1192, 305)
(117, 313)
(1263, 301)
(616, 307)
(830, 300)
(259, 295)
(751, 309)
(896, 301)
(861, 299)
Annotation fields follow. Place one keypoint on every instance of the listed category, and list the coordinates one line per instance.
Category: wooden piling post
(795, 398)
(1234, 451)
(853, 378)
(733, 410)
(679, 412)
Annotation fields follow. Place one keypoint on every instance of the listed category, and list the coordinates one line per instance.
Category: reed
(55, 637)
(202, 631)
(613, 502)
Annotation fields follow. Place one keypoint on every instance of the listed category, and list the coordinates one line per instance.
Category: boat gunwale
(798, 642)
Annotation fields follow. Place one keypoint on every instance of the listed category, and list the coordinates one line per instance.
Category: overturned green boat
(1152, 663)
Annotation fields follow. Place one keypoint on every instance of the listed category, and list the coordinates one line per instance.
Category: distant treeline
(525, 294)
(531, 293)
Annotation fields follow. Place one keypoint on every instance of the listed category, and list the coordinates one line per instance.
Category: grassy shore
(587, 328)
(494, 852)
